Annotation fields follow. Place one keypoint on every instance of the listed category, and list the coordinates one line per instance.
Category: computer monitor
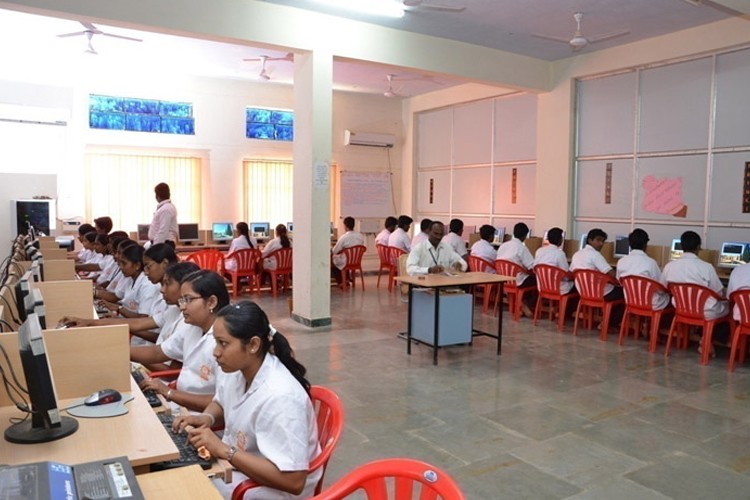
(222, 231)
(622, 246)
(290, 227)
(260, 229)
(21, 291)
(143, 232)
(35, 304)
(188, 233)
(734, 254)
(499, 235)
(584, 239)
(675, 251)
(46, 423)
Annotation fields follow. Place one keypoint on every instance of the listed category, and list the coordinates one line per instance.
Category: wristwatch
(230, 453)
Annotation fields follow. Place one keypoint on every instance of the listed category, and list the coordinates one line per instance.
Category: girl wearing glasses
(263, 400)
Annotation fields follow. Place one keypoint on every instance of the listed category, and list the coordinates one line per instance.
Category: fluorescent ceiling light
(389, 8)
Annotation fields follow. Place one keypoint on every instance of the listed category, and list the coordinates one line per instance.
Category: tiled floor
(554, 417)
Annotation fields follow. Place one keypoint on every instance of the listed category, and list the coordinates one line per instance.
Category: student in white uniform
(389, 227)
(113, 291)
(280, 241)
(483, 248)
(399, 238)
(349, 239)
(84, 253)
(423, 234)
(553, 255)
(203, 295)
(242, 241)
(739, 279)
(270, 431)
(637, 263)
(111, 267)
(454, 239)
(515, 251)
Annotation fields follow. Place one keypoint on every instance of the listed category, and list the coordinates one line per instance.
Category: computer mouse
(103, 397)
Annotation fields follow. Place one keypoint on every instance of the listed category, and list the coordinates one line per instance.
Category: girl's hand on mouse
(205, 437)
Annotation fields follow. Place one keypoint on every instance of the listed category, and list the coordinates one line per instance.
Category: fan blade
(121, 37)
(553, 38)
(443, 8)
(607, 36)
(89, 27)
(77, 33)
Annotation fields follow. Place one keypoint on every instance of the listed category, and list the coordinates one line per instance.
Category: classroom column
(313, 111)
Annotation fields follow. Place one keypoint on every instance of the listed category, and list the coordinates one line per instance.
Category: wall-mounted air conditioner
(369, 139)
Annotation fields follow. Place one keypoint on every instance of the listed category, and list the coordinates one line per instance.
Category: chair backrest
(508, 268)
(210, 259)
(741, 299)
(478, 264)
(591, 283)
(354, 255)
(393, 254)
(382, 254)
(247, 259)
(283, 258)
(329, 414)
(690, 299)
(411, 479)
(549, 278)
(639, 291)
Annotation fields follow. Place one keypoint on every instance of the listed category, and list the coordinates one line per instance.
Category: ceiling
(33, 51)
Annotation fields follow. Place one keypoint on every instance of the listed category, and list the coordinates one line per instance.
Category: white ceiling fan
(390, 92)
(579, 41)
(264, 72)
(420, 4)
(92, 30)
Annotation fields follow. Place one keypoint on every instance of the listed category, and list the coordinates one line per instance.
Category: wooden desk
(184, 482)
(439, 282)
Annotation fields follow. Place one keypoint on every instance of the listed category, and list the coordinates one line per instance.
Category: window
(268, 190)
(141, 115)
(270, 124)
(122, 187)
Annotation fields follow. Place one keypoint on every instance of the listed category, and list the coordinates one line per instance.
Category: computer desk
(184, 482)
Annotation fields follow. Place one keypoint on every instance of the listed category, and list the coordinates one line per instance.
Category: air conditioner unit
(369, 139)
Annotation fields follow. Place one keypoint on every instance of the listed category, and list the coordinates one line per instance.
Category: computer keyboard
(188, 454)
(150, 394)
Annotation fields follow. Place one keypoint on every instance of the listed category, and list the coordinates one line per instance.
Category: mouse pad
(115, 409)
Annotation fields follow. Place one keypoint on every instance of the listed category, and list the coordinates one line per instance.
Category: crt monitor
(734, 254)
(290, 227)
(499, 235)
(584, 239)
(188, 233)
(260, 229)
(143, 232)
(622, 246)
(22, 291)
(675, 251)
(35, 304)
(46, 423)
(222, 231)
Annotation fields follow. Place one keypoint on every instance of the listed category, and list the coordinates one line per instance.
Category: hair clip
(271, 331)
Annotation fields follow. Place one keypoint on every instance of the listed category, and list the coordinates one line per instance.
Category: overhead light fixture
(387, 8)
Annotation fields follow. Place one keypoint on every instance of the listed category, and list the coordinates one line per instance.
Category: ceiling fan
(420, 4)
(579, 41)
(390, 91)
(92, 30)
(264, 72)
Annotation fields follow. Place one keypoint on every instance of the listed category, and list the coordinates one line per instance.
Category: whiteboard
(366, 194)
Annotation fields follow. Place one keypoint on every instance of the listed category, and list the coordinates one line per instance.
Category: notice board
(366, 194)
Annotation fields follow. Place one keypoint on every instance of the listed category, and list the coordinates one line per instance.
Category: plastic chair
(590, 285)
(384, 263)
(248, 261)
(741, 300)
(283, 269)
(329, 413)
(353, 264)
(639, 295)
(689, 303)
(393, 255)
(515, 294)
(411, 479)
(479, 265)
(210, 259)
(548, 280)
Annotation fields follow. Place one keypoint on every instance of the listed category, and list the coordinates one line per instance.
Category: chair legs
(739, 341)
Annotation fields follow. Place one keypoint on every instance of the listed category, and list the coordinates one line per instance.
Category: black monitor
(21, 292)
(46, 423)
(622, 246)
(34, 303)
(222, 231)
(188, 233)
(143, 232)
(734, 254)
(260, 229)
(290, 227)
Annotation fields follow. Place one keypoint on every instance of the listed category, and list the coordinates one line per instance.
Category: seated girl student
(262, 398)
(111, 268)
(241, 242)
(203, 294)
(87, 257)
(84, 253)
(280, 241)
(101, 259)
(115, 288)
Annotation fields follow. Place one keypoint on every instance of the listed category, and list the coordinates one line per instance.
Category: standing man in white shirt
(637, 263)
(164, 223)
(454, 239)
(390, 226)
(515, 251)
(483, 247)
(424, 229)
(349, 239)
(399, 238)
(433, 256)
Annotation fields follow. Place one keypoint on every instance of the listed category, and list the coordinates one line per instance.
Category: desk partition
(55, 253)
(67, 298)
(59, 270)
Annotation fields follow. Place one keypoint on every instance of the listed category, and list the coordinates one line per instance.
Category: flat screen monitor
(499, 235)
(584, 239)
(46, 423)
(143, 232)
(35, 304)
(188, 233)
(21, 292)
(290, 227)
(622, 246)
(734, 254)
(222, 231)
(675, 251)
(260, 229)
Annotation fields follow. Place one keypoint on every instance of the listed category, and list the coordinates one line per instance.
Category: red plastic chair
(393, 255)
(283, 269)
(248, 261)
(210, 259)
(741, 300)
(353, 264)
(384, 262)
(639, 295)
(548, 280)
(590, 285)
(329, 413)
(411, 479)
(515, 294)
(689, 302)
(479, 265)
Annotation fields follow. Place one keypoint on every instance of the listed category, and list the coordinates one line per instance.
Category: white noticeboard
(366, 194)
